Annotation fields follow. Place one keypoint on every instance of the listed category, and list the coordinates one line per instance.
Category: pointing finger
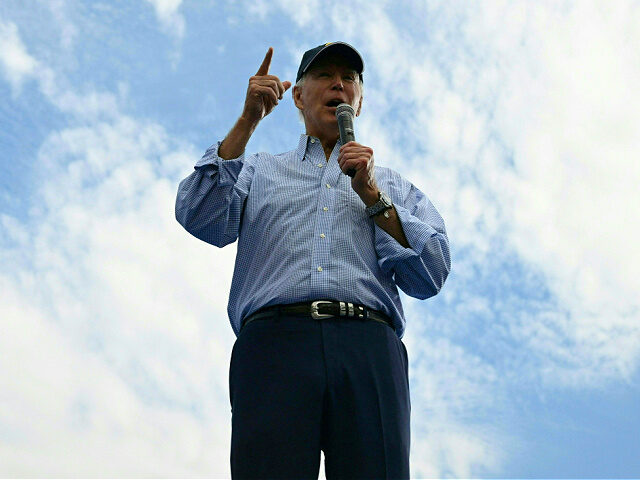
(266, 63)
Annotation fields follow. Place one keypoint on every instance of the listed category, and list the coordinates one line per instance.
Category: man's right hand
(264, 92)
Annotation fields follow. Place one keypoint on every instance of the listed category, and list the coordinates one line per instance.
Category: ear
(297, 96)
(359, 106)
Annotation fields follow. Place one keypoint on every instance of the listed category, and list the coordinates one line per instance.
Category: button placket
(322, 246)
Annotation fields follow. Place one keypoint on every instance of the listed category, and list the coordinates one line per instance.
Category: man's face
(331, 80)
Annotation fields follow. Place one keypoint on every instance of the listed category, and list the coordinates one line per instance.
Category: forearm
(202, 207)
(205, 198)
(236, 140)
(421, 269)
(392, 226)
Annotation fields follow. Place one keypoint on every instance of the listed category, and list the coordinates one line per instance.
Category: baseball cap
(340, 47)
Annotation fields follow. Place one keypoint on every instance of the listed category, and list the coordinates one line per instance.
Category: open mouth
(333, 103)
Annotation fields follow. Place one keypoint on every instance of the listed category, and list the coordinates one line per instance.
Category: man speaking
(318, 363)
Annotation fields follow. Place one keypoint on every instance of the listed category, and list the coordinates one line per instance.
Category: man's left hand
(360, 158)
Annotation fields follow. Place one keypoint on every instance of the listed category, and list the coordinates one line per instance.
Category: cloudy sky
(519, 120)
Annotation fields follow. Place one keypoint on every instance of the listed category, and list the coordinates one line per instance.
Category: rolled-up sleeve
(209, 204)
(421, 270)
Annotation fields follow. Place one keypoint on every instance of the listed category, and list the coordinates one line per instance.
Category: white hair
(300, 82)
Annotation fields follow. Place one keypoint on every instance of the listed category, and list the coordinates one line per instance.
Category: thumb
(286, 84)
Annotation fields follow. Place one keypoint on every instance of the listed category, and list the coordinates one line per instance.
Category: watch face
(384, 203)
(386, 199)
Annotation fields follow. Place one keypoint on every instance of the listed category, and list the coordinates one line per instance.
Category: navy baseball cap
(344, 49)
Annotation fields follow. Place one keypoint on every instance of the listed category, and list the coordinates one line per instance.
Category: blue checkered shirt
(303, 233)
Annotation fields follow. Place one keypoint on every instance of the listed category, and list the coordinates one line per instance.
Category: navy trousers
(299, 385)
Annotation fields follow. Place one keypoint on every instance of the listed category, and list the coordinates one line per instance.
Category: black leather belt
(322, 309)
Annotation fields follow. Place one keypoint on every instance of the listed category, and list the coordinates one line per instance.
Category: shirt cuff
(416, 232)
(227, 170)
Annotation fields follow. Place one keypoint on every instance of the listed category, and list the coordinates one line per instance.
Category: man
(318, 363)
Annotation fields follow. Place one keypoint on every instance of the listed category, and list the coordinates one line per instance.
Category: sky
(519, 120)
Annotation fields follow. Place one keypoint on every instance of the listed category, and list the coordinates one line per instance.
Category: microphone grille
(345, 108)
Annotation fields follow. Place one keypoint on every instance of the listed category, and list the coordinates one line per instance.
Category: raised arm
(208, 205)
(263, 93)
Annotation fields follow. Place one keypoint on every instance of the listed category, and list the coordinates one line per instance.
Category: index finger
(266, 63)
(350, 144)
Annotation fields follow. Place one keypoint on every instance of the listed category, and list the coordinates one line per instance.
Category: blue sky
(518, 120)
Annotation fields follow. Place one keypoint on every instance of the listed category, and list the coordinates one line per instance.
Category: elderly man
(318, 363)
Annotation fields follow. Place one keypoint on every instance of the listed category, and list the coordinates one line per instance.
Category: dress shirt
(303, 233)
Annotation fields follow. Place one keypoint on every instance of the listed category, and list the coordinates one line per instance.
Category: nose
(337, 83)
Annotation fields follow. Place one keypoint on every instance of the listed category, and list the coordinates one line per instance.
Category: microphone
(345, 114)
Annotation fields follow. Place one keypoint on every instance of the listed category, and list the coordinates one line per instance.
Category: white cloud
(452, 451)
(569, 112)
(16, 63)
(526, 127)
(168, 14)
(303, 14)
(69, 411)
(113, 341)
(110, 317)
(259, 9)
(115, 344)
(523, 130)
(20, 66)
(68, 31)
(452, 394)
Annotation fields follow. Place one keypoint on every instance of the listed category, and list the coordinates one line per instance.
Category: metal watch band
(383, 203)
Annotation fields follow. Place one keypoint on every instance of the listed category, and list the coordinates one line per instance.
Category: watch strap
(384, 203)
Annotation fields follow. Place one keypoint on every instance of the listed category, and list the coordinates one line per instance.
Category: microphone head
(345, 114)
(345, 109)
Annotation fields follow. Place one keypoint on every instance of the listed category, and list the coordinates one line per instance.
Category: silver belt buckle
(314, 310)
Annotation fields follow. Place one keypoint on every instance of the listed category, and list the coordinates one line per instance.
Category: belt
(322, 309)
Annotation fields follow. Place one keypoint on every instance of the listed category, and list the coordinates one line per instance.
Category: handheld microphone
(345, 114)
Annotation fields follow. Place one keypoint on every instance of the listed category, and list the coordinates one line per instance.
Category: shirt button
(325, 208)
(328, 186)
(322, 235)
(320, 165)
(319, 269)
(313, 140)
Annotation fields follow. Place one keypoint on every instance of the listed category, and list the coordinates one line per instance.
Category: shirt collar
(302, 147)
(304, 142)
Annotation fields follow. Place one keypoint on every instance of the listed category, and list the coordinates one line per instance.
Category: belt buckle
(314, 310)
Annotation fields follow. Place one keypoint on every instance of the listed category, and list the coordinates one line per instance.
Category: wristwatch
(383, 204)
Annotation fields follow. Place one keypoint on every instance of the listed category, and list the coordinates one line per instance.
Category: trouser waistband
(321, 309)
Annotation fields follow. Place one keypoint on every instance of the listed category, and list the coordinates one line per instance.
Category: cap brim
(344, 50)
